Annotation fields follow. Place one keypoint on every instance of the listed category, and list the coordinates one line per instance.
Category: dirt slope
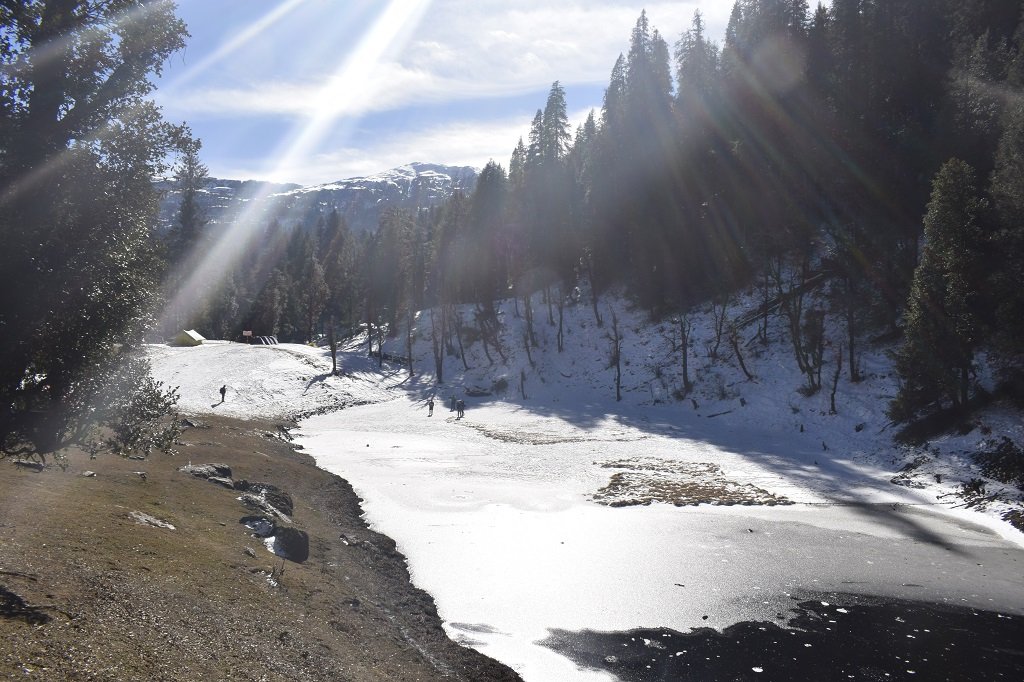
(87, 592)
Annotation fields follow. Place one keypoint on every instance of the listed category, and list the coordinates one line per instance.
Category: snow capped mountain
(415, 186)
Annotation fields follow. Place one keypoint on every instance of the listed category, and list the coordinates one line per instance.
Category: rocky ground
(143, 572)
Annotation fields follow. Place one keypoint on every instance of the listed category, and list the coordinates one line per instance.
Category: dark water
(831, 637)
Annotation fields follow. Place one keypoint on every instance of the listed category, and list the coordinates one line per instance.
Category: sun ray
(354, 77)
(244, 37)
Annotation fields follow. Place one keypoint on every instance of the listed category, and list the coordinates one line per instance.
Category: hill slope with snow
(577, 385)
(414, 186)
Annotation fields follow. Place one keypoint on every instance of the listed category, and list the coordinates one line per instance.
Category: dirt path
(88, 591)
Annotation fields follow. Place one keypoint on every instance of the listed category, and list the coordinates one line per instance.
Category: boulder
(258, 503)
(261, 526)
(226, 482)
(207, 470)
(280, 500)
(270, 493)
(291, 544)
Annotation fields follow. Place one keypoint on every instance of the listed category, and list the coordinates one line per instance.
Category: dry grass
(87, 592)
(647, 480)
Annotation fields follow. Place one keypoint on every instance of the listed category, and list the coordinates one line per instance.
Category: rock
(29, 464)
(249, 551)
(88, 474)
(292, 544)
(226, 482)
(270, 493)
(147, 520)
(259, 504)
(261, 526)
(280, 500)
(207, 470)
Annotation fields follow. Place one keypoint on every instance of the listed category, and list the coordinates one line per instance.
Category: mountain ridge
(414, 186)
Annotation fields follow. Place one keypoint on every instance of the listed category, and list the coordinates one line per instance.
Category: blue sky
(311, 91)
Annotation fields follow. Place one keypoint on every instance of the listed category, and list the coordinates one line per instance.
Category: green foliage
(137, 411)
(942, 323)
(80, 146)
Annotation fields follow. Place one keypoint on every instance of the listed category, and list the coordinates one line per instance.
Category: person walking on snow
(223, 392)
(430, 406)
(461, 407)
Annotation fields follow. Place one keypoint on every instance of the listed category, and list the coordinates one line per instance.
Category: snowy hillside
(723, 400)
(359, 200)
(579, 384)
(594, 514)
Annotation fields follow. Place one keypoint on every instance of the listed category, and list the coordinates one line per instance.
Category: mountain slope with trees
(804, 149)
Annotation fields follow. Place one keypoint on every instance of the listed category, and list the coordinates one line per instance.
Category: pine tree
(555, 126)
(942, 325)
(1007, 261)
(189, 177)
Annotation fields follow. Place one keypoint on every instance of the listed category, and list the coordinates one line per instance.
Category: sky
(312, 91)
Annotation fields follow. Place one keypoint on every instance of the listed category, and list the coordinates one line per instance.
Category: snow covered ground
(568, 509)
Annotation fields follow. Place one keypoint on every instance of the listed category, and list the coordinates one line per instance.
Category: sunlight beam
(250, 32)
(354, 77)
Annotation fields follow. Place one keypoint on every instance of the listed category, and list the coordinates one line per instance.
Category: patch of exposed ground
(108, 574)
(521, 436)
(644, 480)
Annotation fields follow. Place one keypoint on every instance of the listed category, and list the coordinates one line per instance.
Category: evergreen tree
(189, 176)
(1007, 258)
(942, 325)
(488, 247)
(554, 126)
(79, 146)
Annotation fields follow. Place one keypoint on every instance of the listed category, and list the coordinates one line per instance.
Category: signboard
(247, 332)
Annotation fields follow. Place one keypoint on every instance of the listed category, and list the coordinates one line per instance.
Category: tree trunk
(684, 342)
(616, 355)
(835, 380)
(734, 339)
(437, 345)
(458, 337)
(559, 337)
(408, 340)
(334, 347)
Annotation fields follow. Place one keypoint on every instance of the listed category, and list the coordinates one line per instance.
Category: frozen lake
(498, 518)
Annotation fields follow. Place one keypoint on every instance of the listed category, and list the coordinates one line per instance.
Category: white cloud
(461, 143)
(462, 50)
(458, 143)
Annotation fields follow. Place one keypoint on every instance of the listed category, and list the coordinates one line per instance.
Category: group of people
(458, 405)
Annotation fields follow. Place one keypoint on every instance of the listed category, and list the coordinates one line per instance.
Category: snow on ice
(567, 509)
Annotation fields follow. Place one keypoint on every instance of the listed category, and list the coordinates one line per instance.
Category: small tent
(188, 337)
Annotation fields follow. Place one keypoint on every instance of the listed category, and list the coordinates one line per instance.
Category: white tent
(188, 337)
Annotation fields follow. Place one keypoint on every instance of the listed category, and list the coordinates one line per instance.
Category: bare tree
(490, 330)
(333, 341)
(734, 341)
(528, 316)
(409, 337)
(437, 344)
(615, 357)
(679, 341)
(835, 379)
(560, 334)
(458, 337)
(719, 306)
